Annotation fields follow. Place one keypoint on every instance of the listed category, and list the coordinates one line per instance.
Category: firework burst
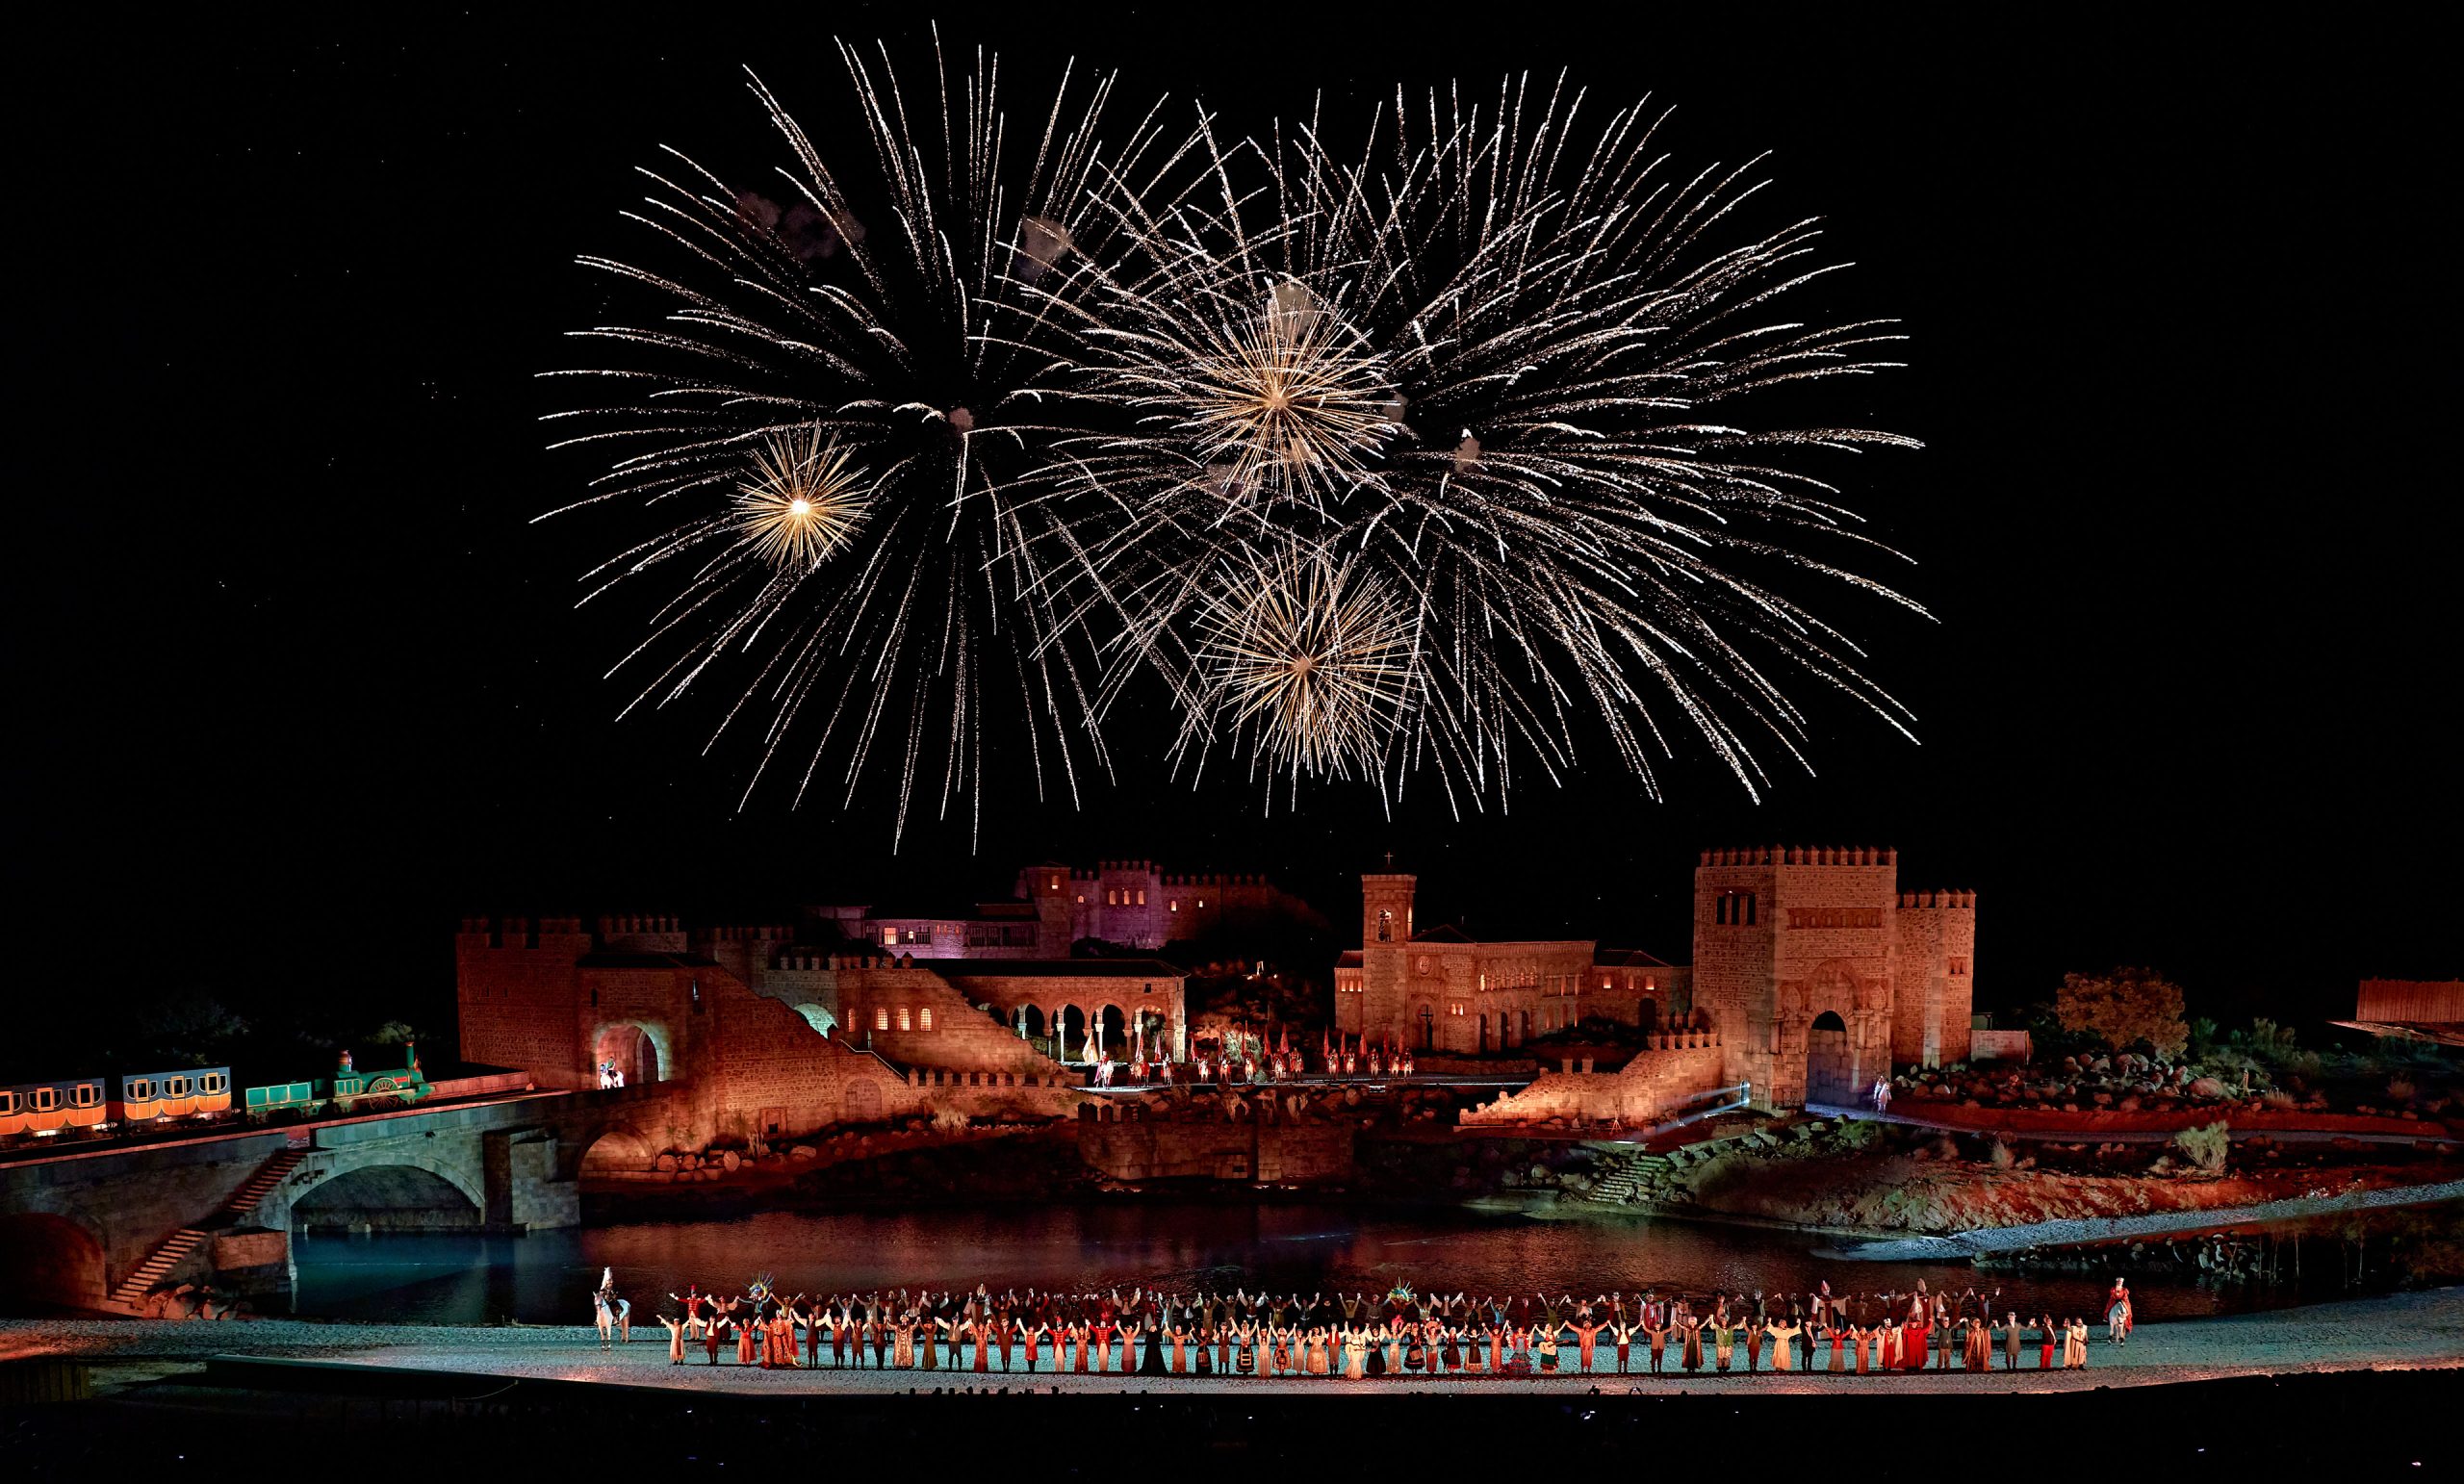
(804, 501)
(1307, 660)
(830, 409)
(1541, 376)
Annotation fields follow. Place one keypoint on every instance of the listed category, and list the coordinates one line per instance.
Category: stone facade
(1131, 903)
(1440, 991)
(1811, 965)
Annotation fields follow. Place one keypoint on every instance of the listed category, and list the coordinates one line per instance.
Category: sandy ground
(2404, 1331)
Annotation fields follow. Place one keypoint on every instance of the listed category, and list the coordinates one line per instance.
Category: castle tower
(1794, 957)
(1935, 989)
(1385, 935)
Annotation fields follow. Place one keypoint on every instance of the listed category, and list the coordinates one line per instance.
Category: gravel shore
(2403, 1331)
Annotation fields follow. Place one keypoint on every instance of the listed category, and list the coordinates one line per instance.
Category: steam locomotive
(153, 1100)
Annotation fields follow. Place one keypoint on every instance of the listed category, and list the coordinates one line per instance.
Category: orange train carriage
(190, 1093)
(45, 1108)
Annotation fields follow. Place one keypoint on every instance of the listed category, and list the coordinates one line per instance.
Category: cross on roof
(1390, 860)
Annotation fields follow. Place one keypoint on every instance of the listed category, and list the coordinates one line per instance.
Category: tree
(2124, 1008)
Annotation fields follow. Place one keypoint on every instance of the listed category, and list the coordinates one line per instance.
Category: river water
(547, 1278)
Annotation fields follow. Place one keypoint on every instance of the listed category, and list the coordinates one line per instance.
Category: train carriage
(45, 1108)
(190, 1093)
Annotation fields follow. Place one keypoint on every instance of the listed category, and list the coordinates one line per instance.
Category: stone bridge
(103, 1228)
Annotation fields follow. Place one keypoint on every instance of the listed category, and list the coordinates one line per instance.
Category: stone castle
(1812, 974)
(1129, 902)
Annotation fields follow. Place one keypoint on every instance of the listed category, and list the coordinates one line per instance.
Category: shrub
(2206, 1147)
(2124, 1009)
(2001, 1156)
(948, 1120)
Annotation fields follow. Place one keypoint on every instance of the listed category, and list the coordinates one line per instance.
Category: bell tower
(1385, 938)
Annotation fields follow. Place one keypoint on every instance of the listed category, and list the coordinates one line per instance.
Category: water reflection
(544, 1278)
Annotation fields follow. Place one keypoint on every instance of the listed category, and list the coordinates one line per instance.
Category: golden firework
(804, 500)
(1286, 403)
(1310, 660)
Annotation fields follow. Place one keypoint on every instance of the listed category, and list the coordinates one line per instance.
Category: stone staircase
(1626, 1179)
(260, 1185)
(140, 1280)
(131, 1293)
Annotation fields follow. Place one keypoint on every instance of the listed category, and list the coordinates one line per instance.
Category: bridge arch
(618, 1146)
(391, 1190)
(52, 1261)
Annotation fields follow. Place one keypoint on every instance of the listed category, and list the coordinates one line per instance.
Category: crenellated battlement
(1215, 878)
(612, 926)
(747, 935)
(1801, 856)
(520, 932)
(1930, 901)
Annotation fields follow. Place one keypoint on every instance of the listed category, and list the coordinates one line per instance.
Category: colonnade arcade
(1082, 1034)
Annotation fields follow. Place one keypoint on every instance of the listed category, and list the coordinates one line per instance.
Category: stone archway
(1070, 1033)
(637, 1048)
(1831, 1063)
(52, 1263)
(818, 1017)
(396, 1193)
(618, 1148)
(1112, 1029)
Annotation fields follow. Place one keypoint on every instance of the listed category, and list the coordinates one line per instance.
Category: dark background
(297, 685)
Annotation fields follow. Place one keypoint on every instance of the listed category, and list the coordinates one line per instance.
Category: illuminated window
(1056, 884)
(1201, 900)
(881, 1017)
(1112, 896)
(1082, 899)
(1174, 905)
(1142, 896)
(927, 1014)
(903, 1019)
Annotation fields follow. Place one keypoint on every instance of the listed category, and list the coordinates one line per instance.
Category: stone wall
(1283, 1153)
(1660, 1080)
(2000, 1046)
(515, 983)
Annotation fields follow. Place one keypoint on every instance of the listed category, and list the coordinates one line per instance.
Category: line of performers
(1252, 1059)
(1359, 1336)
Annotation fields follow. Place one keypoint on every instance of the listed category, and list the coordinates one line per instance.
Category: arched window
(927, 1014)
(1385, 927)
(1142, 896)
(903, 1019)
(881, 1017)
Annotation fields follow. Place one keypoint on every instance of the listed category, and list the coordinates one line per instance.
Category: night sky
(299, 685)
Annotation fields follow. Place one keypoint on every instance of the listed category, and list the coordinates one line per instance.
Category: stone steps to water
(169, 1255)
(1620, 1185)
(132, 1291)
